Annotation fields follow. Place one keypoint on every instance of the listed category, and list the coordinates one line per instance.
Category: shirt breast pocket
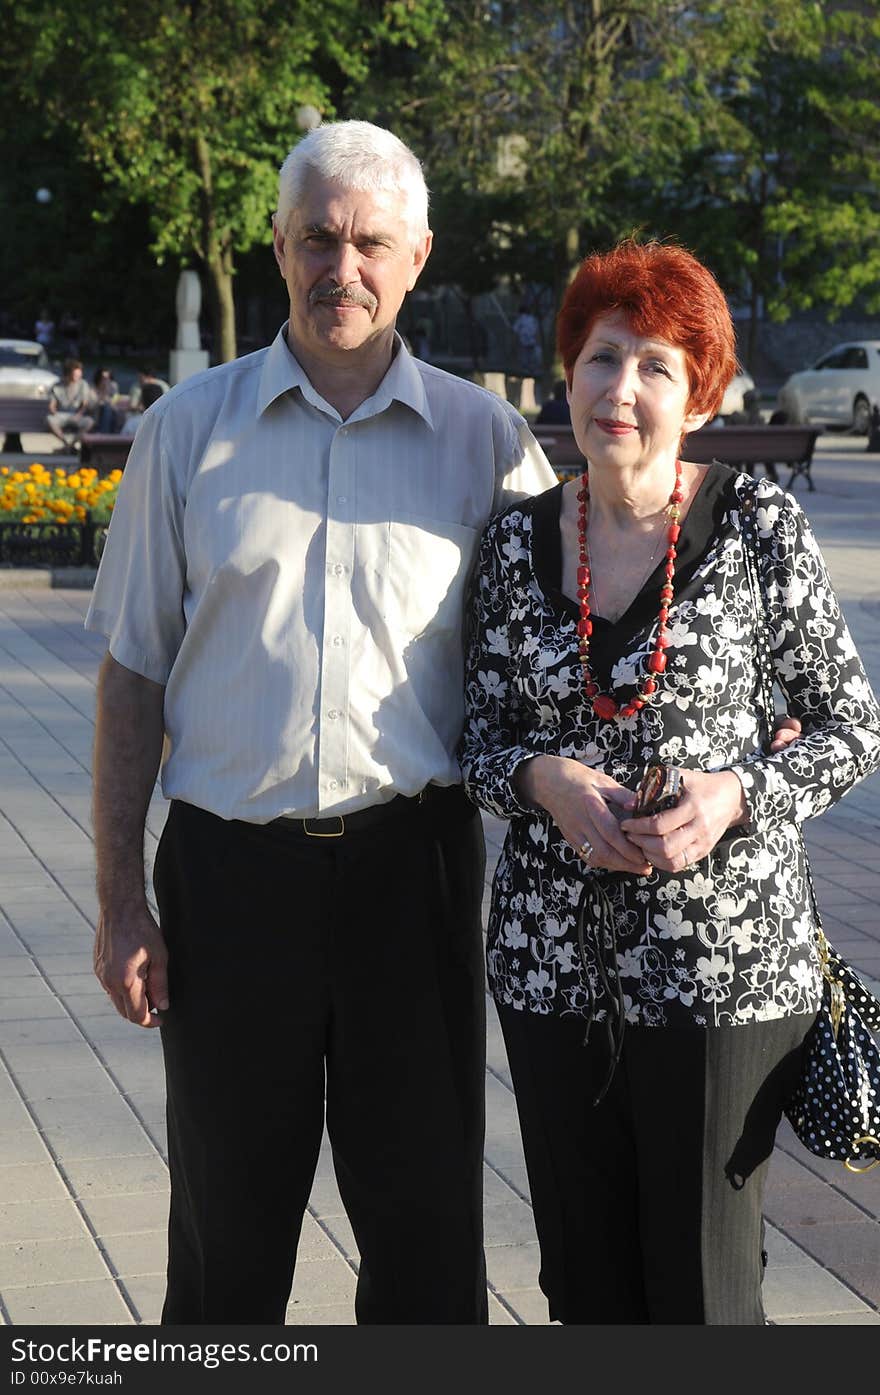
(429, 565)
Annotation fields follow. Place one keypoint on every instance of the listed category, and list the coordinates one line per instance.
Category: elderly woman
(614, 626)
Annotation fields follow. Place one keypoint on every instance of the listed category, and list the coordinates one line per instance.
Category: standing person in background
(44, 329)
(282, 588)
(527, 331)
(655, 976)
(69, 330)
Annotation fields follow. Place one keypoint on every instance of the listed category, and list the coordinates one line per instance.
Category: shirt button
(334, 714)
(333, 785)
(341, 499)
(337, 640)
(337, 569)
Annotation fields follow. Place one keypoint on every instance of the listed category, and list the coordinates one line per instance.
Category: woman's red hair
(664, 292)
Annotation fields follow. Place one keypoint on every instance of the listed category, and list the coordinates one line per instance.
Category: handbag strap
(760, 606)
(766, 676)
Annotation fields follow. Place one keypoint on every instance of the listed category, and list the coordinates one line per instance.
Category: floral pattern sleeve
(491, 748)
(818, 669)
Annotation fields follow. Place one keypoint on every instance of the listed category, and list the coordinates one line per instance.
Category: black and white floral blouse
(730, 941)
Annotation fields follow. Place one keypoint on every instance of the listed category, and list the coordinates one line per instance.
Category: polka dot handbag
(835, 1106)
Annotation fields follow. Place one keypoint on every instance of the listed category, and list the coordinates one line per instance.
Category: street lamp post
(308, 117)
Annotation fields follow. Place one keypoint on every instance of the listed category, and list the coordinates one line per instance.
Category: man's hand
(785, 730)
(679, 837)
(131, 964)
(130, 955)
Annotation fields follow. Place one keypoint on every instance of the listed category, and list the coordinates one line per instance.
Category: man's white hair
(361, 156)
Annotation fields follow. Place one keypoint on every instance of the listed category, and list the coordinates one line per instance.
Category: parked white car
(734, 393)
(24, 369)
(839, 390)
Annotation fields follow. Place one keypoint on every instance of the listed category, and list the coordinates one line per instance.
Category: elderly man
(283, 589)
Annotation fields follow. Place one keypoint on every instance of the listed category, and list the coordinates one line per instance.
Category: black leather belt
(358, 822)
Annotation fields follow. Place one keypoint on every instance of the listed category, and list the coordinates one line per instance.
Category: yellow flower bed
(38, 495)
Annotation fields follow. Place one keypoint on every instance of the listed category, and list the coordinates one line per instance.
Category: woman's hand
(679, 837)
(785, 731)
(580, 802)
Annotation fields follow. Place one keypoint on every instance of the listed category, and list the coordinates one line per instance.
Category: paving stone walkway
(83, 1179)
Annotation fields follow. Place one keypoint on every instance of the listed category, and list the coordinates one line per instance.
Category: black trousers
(648, 1205)
(309, 970)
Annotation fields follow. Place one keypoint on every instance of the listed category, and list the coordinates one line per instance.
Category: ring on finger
(586, 849)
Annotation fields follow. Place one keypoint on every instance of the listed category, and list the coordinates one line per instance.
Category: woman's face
(629, 396)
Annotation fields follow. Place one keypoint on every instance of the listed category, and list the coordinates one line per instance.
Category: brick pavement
(83, 1180)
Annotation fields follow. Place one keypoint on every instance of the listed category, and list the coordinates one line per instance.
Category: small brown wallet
(660, 788)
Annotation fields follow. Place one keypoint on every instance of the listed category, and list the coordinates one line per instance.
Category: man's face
(348, 261)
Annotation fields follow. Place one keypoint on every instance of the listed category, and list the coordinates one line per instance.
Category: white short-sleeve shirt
(297, 582)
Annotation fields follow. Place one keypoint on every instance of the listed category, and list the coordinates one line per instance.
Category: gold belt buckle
(337, 834)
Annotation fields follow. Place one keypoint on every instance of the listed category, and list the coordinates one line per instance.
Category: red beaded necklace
(604, 706)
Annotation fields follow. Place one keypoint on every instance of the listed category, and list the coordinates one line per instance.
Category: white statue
(189, 303)
(189, 357)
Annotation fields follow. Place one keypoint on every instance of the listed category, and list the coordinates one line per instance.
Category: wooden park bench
(105, 451)
(560, 448)
(747, 446)
(19, 414)
(740, 446)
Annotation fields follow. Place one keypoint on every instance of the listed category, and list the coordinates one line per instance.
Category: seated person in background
(751, 415)
(69, 403)
(107, 417)
(145, 376)
(150, 393)
(554, 412)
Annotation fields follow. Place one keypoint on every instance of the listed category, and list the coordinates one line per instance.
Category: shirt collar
(402, 383)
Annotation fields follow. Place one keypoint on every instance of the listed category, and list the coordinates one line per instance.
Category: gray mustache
(329, 293)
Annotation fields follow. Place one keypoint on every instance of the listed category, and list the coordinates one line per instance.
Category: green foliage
(783, 201)
(57, 254)
(751, 131)
(191, 107)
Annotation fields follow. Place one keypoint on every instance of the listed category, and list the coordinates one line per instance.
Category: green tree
(783, 199)
(829, 218)
(565, 106)
(596, 118)
(189, 106)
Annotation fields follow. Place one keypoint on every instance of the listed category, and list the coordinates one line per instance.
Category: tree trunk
(217, 255)
(220, 273)
(566, 262)
(757, 278)
(754, 321)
